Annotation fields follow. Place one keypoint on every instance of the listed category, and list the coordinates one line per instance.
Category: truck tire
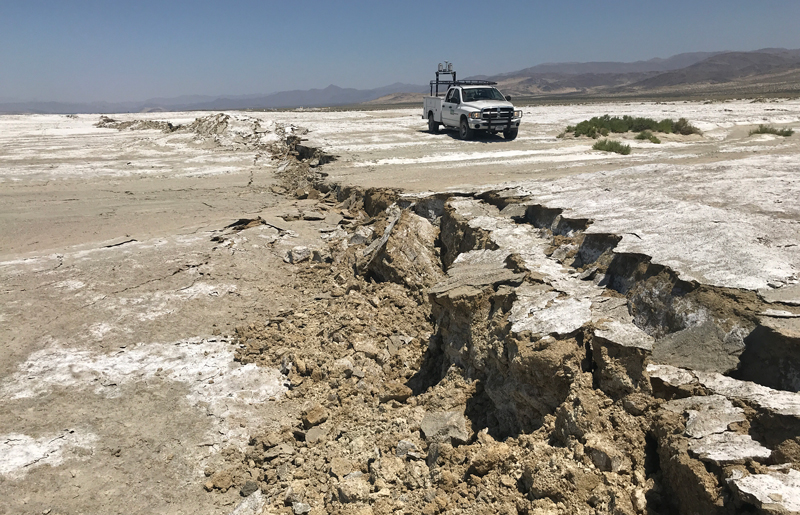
(464, 132)
(510, 134)
(433, 127)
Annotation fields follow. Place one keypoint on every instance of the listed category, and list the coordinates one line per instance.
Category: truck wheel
(433, 127)
(510, 134)
(464, 132)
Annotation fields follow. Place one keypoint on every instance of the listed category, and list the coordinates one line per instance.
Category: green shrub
(665, 126)
(642, 124)
(608, 145)
(766, 129)
(649, 136)
(604, 125)
(682, 126)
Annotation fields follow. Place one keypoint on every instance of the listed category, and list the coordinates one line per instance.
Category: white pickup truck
(470, 106)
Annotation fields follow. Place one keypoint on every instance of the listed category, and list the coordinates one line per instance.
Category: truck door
(449, 106)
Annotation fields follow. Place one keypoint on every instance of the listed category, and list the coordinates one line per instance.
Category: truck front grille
(494, 113)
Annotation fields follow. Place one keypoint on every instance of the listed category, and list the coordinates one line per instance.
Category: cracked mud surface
(193, 312)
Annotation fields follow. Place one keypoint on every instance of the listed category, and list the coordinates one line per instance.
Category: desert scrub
(608, 145)
(603, 125)
(682, 126)
(648, 136)
(766, 129)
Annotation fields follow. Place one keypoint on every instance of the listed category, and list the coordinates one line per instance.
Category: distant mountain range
(766, 71)
(330, 96)
(653, 65)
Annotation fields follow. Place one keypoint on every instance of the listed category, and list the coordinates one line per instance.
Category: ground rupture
(484, 354)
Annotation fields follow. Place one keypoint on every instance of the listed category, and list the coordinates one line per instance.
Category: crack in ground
(579, 396)
(176, 272)
(485, 360)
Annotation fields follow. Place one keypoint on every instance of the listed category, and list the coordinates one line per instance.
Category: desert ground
(320, 311)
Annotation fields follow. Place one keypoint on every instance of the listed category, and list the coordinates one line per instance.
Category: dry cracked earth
(338, 312)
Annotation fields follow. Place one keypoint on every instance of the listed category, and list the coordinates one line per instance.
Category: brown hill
(675, 62)
(398, 98)
(767, 71)
(725, 68)
(771, 71)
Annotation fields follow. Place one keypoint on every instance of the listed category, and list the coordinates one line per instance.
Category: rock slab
(445, 426)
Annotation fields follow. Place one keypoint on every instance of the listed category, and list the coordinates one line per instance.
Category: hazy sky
(119, 50)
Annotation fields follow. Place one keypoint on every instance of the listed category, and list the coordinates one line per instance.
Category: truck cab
(470, 106)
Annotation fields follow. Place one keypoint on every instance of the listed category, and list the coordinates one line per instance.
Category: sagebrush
(603, 125)
(648, 136)
(766, 129)
(608, 145)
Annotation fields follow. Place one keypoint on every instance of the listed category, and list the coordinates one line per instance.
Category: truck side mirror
(508, 97)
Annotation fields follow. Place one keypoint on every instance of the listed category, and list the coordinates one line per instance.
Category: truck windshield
(475, 94)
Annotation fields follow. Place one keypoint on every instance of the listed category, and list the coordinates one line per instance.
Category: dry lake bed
(123, 274)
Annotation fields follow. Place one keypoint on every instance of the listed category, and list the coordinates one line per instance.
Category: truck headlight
(517, 114)
(476, 115)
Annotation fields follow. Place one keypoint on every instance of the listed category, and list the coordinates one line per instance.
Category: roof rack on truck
(447, 69)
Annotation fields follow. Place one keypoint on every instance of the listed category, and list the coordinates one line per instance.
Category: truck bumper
(495, 125)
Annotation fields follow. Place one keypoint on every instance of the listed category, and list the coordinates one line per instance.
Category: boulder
(777, 491)
(248, 488)
(361, 235)
(473, 271)
(605, 455)
(445, 426)
(488, 458)
(315, 435)
(409, 255)
(252, 505)
(388, 469)
(728, 448)
(299, 508)
(282, 449)
(366, 347)
(703, 346)
(407, 449)
(340, 467)
(354, 488)
(394, 391)
(315, 416)
(620, 350)
(298, 254)
(772, 356)
(706, 415)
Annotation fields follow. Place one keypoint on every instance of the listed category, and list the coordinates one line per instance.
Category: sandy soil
(117, 316)
(118, 386)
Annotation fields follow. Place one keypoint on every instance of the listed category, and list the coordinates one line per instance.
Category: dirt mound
(136, 125)
(237, 131)
(271, 142)
(229, 131)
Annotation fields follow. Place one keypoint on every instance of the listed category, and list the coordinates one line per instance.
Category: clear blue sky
(120, 50)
